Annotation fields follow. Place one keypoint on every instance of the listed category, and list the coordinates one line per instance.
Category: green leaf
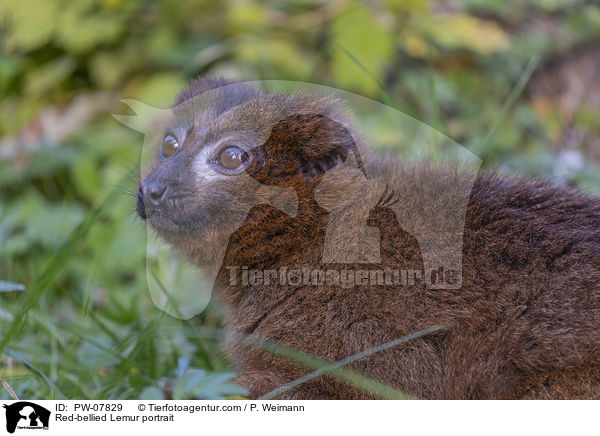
(87, 177)
(98, 354)
(51, 226)
(284, 55)
(78, 31)
(30, 23)
(152, 393)
(247, 15)
(160, 90)
(361, 34)
(465, 31)
(48, 76)
(196, 383)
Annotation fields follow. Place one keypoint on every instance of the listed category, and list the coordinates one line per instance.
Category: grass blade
(9, 389)
(37, 371)
(52, 271)
(353, 378)
(386, 98)
(512, 97)
(350, 359)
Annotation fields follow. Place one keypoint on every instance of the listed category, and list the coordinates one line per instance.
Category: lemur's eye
(232, 157)
(169, 146)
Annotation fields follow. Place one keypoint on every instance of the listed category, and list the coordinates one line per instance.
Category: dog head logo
(26, 415)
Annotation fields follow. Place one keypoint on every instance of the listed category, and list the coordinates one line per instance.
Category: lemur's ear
(227, 93)
(199, 85)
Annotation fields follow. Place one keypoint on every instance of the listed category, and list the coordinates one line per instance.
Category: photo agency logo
(25, 415)
(290, 184)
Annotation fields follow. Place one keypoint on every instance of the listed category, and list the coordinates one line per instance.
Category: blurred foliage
(89, 329)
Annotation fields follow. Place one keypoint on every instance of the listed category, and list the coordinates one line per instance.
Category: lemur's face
(241, 149)
(198, 179)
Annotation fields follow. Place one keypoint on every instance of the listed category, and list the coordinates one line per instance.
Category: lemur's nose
(153, 192)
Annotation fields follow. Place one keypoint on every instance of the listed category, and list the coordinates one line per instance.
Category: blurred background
(514, 81)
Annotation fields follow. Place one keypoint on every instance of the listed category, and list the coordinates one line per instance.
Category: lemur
(524, 323)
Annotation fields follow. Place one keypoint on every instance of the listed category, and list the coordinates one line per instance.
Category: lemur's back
(525, 323)
(533, 250)
(532, 272)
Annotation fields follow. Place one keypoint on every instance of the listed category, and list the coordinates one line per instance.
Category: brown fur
(524, 324)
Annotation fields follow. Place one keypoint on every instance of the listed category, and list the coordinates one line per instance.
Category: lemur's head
(234, 149)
